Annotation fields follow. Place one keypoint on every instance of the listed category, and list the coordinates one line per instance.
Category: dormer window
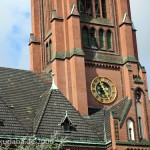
(67, 124)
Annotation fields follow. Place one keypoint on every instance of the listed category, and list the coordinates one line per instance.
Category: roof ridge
(49, 92)
(125, 111)
(117, 103)
(16, 69)
(12, 112)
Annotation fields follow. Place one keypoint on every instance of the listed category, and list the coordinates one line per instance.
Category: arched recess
(101, 38)
(46, 52)
(85, 7)
(104, 8)
(109, 39)
(85, 37)
(50, 51)
(93, 42)
(141, 113)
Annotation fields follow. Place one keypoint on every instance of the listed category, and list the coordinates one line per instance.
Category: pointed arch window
(130, 128)
(109, 39)
(93, 42)
(85, 7)
(101, 38)
(138, 97)
(97, 8)
(50, 51)
(85, 37)
(104, 9)
(47, 51)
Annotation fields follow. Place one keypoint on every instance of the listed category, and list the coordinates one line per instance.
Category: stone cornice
(68, 54)
(96, 59)
(102, 65)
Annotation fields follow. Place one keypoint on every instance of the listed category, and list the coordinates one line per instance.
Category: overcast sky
(15, 28)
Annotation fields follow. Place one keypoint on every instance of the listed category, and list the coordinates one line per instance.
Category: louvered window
(109, 39)
(85, 7)
(85, 37)
(104, 10)
(101, 38)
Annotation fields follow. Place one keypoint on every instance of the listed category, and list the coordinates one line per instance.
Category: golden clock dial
(103, 90)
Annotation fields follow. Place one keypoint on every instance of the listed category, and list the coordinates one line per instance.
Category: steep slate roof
(29, 107)
(55, 111)
(21, 90)
(97, 117)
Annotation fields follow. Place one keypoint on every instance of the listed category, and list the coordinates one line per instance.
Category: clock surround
(103, 90)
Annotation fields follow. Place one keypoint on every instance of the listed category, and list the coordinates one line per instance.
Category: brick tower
(91, 47)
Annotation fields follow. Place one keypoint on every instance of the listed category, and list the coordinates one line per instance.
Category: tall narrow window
(130, 128)
(85, 7)
(104, 10)
(140, 121)
(85, 37)
(97, 8)
(138, 97)
(109, 39)
(93, 42)
(101, 38)
(49, 51)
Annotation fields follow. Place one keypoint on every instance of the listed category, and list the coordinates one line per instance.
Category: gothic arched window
(138, 98)
(101, 38)
(85, 7)
(104, 9)
(93, 42)
(50, 51)
(97, 9)
(130, 128)
(85, 37)
(47, 51)
(109, 39)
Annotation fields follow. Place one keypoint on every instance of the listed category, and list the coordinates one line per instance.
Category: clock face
(103, 90)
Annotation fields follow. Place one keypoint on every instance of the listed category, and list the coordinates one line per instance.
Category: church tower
(90, 46)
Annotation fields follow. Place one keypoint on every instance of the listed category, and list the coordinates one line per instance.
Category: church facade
(98, 98)
(91, 47)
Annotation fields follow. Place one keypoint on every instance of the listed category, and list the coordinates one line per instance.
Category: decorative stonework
(102, 65)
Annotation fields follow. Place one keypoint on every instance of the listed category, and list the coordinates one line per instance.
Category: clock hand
(105, 92)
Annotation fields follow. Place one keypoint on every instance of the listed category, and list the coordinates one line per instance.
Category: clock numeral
(94, 91)
(96, 80)
(93, 85)
(97, 97)
(102, 79)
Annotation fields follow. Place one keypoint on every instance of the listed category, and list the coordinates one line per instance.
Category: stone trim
(67, 55)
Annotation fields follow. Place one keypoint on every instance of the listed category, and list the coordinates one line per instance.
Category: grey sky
(141, 18)
(15, 28)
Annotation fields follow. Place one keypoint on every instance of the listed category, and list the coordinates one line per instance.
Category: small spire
(54, 87)
(126, 18)
(66, 113)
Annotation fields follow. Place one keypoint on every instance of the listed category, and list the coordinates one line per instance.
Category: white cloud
(15, 26)
(14, 33)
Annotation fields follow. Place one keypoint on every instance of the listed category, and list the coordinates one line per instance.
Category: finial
(54, 87)
(66, 113)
